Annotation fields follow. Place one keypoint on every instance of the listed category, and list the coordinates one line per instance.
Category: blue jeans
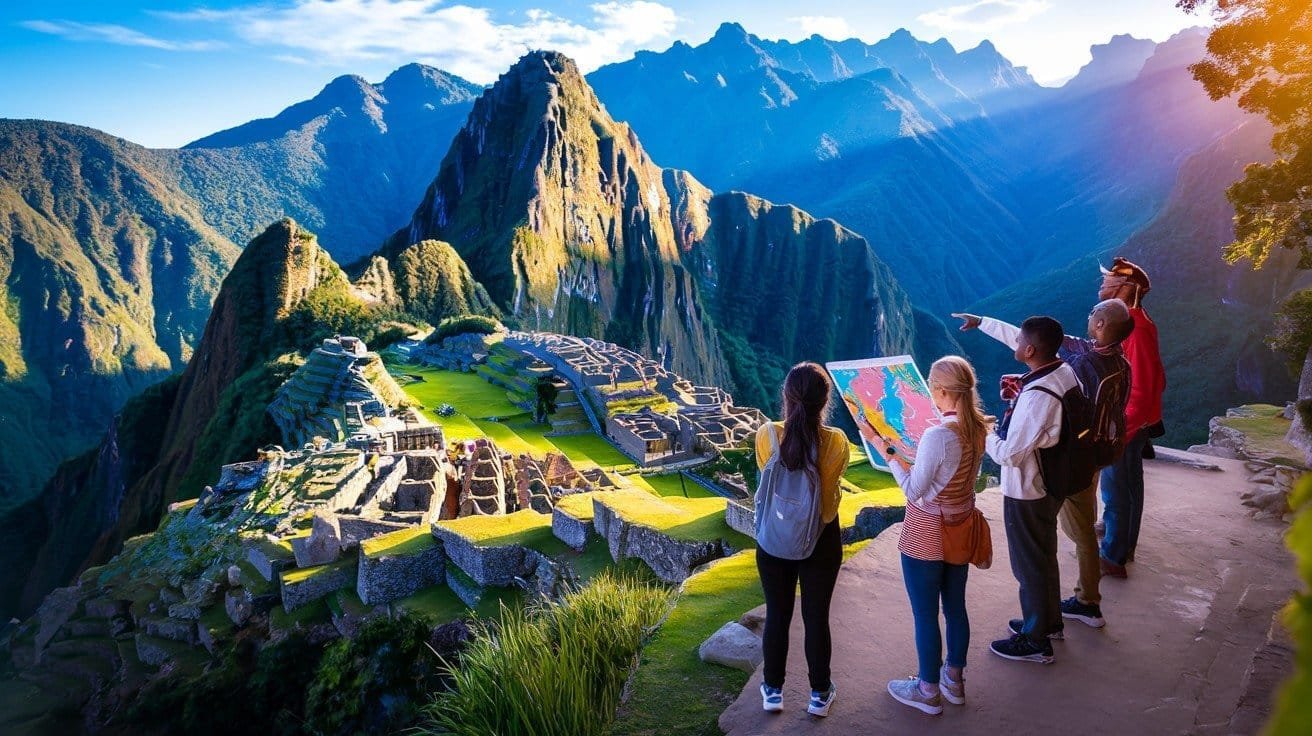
(928, 583)
(1122, 498)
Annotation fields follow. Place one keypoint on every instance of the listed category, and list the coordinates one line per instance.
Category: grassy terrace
(477, 402)
(400, 542)
(302, 574)
(671, 484)
(525, 528)
(578, 505)
(690, 519)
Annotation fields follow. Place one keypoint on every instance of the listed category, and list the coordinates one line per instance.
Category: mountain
(283, 295)
(111, 253)
(787, 136)
(959, 170)
(1211, 317)
(107, 268)
(348, 163)
(544, 211)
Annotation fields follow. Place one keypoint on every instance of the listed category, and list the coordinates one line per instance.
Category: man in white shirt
(1032, 422)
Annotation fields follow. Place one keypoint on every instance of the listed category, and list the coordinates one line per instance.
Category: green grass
(689, 519)
(556, 670)
(673, 691)
(591, 448)
(865, 477)
(308, 614)
(577, 505)
(302, 574)
(672, 484)
(467, 392)
(525, 528)
(1264, 428)
(440, 604)
(400, 542)
(657, 402)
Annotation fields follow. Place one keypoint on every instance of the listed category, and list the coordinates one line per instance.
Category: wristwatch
(890, 450)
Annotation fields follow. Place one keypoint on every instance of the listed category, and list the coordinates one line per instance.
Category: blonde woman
(940, 488)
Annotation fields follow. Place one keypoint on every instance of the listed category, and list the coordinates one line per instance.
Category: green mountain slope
(106, 272)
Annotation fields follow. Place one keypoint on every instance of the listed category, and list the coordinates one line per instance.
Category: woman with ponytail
(804, 443)
(940, 490)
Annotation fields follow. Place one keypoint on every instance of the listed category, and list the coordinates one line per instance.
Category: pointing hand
(968, 321)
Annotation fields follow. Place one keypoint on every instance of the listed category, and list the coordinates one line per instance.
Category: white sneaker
(772, 698)
(820, 702)
(953, 692)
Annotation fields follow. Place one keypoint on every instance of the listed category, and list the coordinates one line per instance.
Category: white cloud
(984, 15)
(116, 34)
(829, 26)
(462, 39)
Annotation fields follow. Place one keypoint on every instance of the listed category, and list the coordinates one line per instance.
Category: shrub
(251, 691)
(558, 668)
(462, 324)
(1292, 332)
(446, 410)
(376, 681)
(1293, 709)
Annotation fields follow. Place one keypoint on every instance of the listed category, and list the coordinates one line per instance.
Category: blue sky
(162, 74)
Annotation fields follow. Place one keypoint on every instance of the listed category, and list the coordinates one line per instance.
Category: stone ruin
(704, 421)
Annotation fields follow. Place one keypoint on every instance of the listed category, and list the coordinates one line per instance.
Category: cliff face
(784, 287)
(561, 215)
(106, 272)
(427, 279)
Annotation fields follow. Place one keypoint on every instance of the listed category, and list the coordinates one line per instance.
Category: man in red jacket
(1122, 482)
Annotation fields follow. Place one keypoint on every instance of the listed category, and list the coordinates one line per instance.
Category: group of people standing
(1117, 367)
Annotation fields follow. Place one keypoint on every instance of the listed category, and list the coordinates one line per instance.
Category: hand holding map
(889, 401)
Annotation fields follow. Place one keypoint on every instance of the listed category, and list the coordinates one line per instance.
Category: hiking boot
(1112, 570)
(820, 701)
(1023, 649)
(953, 692)
(1085, 613)
(1017, 626)
(908, 692)
(772, 698)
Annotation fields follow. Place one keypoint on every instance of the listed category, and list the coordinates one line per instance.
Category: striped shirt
(940, 484)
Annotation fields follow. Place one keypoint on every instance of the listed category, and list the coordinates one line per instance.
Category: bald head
(1109, 322)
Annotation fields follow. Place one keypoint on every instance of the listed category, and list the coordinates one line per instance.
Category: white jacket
(1035, 423)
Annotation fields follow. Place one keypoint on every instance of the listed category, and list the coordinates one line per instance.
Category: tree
(1261, 51)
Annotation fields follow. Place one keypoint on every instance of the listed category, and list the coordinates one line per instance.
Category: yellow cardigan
(832, 461)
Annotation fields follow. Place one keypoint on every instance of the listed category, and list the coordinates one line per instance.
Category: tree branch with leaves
(1261, 52)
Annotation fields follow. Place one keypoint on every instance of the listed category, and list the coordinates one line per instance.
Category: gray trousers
(1032, 542)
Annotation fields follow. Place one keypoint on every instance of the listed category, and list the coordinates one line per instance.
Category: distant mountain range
(957, 180)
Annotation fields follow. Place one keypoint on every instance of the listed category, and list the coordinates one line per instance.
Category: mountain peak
(1115, 62)
(423, 82)
(730, 31)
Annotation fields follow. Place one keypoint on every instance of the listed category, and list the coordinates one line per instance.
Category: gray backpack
(787, 508)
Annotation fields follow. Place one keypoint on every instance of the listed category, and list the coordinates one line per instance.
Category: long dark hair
(806, 396)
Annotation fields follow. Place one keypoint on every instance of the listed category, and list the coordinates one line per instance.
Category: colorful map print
(892, 397)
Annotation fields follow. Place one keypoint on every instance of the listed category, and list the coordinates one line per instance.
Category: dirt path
(1186, 648)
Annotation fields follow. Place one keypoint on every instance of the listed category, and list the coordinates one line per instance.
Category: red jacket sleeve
(1147, 376)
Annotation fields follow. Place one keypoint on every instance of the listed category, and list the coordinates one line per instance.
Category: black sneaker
(1023, 649)
(1086, 613)
(1018, 625)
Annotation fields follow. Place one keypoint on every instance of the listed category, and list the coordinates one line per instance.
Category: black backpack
(1068, 466)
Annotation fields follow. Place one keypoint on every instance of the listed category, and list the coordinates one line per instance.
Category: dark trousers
(779, 579)
(928, 583)
(1122, 498)
(1032, 542)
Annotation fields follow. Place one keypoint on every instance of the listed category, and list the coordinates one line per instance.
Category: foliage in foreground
(1292, 333)
(557, 668)
(1294, 708)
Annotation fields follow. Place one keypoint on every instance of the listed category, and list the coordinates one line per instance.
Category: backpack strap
(1045, 390)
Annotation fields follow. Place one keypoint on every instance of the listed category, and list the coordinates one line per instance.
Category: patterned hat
(1131, 272)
